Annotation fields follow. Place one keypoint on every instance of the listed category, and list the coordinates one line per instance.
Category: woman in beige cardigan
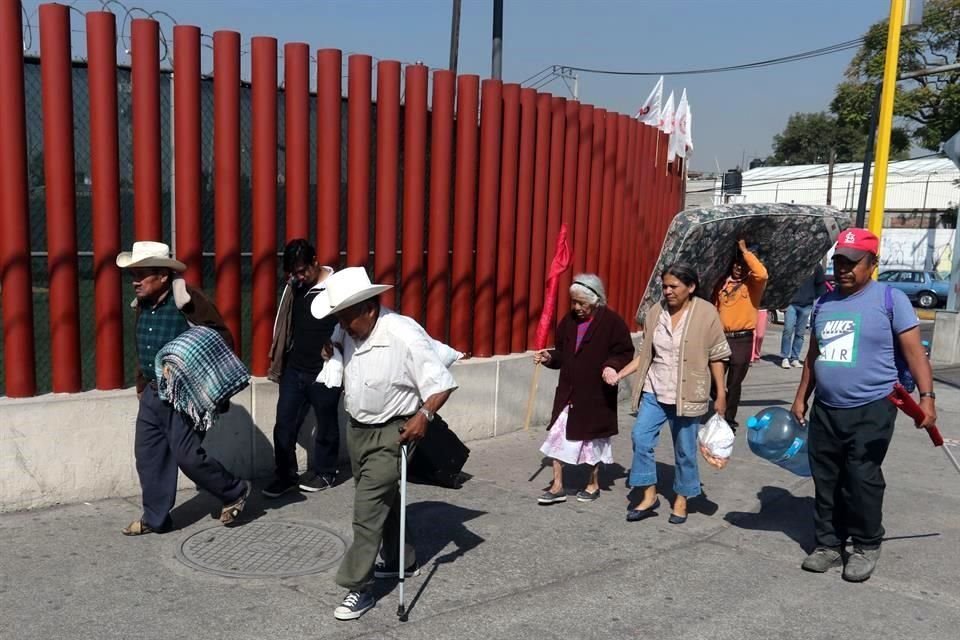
(683, 348)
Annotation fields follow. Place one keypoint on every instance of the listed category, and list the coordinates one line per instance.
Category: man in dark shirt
(296, 360)
(797, 315)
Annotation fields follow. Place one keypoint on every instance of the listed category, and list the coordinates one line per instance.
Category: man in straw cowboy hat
(394, 383)
(164, 441)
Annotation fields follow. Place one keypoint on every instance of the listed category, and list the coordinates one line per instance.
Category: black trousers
(298, 392)
(847, 447)
(737, 367)
(164, 442)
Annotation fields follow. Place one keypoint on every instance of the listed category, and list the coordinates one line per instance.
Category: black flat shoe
(636, 515)
(675, 519)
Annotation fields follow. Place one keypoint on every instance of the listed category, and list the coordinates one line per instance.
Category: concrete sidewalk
(498, 566)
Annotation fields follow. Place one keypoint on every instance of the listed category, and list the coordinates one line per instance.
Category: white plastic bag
(716, 440)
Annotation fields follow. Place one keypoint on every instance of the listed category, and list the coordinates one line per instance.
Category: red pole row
(518, 165)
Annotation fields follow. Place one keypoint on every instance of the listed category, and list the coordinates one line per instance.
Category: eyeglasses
(139, 275)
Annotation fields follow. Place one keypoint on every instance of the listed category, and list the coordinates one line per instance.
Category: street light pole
(497, 61)
(455, 36)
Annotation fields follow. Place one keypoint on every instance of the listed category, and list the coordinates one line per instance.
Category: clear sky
(735, 114)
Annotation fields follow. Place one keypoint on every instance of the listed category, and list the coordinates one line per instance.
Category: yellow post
(885, 122)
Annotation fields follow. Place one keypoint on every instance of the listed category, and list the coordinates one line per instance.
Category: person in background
(683, 349)
(761, 330)
(593, 343)
(857, 330)
(738, 300)
(296, 359)
(165, 440)
(797, 316)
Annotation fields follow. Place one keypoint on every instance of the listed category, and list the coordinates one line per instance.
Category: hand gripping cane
(402, 608)
(902, 399)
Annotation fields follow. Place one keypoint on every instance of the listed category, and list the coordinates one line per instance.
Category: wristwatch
(928, 394)
(429, 415)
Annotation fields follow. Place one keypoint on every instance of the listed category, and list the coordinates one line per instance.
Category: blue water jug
(775, 435)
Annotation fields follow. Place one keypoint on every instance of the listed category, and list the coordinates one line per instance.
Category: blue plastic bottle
(775, 435)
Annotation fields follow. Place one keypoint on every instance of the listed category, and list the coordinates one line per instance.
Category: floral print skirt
(589, 452)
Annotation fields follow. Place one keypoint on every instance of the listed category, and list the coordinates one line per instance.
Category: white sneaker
(354, 605)
(797, 364)
(785, 363)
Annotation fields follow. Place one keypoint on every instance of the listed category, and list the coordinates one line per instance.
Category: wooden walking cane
(561, 262)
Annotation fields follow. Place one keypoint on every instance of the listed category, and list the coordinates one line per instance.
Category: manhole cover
(262, 550)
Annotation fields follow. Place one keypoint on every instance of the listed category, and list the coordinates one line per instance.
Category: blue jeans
(299, 391)
(794, 331)
(646, 433)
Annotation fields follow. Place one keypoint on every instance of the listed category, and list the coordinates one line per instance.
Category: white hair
(589, 286)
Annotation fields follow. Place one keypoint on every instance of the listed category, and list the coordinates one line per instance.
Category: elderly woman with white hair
(592, 344)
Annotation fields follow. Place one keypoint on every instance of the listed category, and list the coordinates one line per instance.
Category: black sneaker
(354, 605)
(382, 572)
(313, 482)
(278, 487)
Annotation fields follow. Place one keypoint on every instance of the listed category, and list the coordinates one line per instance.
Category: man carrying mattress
(165, 439)
(394, 382)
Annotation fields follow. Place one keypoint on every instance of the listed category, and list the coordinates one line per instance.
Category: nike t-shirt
(856, 364)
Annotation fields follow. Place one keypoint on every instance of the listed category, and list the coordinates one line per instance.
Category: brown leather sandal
(232, 511)
(138, 528)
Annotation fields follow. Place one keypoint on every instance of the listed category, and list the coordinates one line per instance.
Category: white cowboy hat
(344, 289)
(149, 254)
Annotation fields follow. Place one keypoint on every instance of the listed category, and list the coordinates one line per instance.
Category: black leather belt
(361, 425)
(740, 334)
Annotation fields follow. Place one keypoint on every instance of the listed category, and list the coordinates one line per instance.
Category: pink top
(662, 375)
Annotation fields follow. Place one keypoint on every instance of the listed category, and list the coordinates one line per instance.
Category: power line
(804, 55)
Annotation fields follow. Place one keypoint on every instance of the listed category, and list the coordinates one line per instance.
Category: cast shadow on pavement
(665, 475)
(435, 526)
(779, 511)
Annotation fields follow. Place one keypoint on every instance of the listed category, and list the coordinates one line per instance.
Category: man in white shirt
(394, 383)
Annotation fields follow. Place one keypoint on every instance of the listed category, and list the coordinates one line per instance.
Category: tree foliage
(927, 108)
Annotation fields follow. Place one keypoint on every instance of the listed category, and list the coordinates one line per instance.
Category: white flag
(649, 113)
(681, 141)
(666, 116)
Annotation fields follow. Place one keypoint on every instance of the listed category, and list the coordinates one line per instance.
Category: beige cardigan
(702, 342)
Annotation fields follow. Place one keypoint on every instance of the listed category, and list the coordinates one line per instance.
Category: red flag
(561, 262)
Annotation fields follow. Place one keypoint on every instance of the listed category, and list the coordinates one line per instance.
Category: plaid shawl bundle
(197, 373)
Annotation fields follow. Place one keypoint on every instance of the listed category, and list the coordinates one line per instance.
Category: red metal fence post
(329, 106)
(187, 137)
(441, 163)
(584, 161)
(568, 207)
(595, 217)
(615, 286)
(541, 197)
(507, 225)
(105, 176)
(491, 119)
(522, 256)
(388, 161)
(414, 190)
(465, 208)
(607, 206)
(358, 160)
(264, 178)
(626, 250)
(145, 80)
(296, 134)
(56, 73)
(226, 143)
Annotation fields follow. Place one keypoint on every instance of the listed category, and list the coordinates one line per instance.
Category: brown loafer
(232, 511)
